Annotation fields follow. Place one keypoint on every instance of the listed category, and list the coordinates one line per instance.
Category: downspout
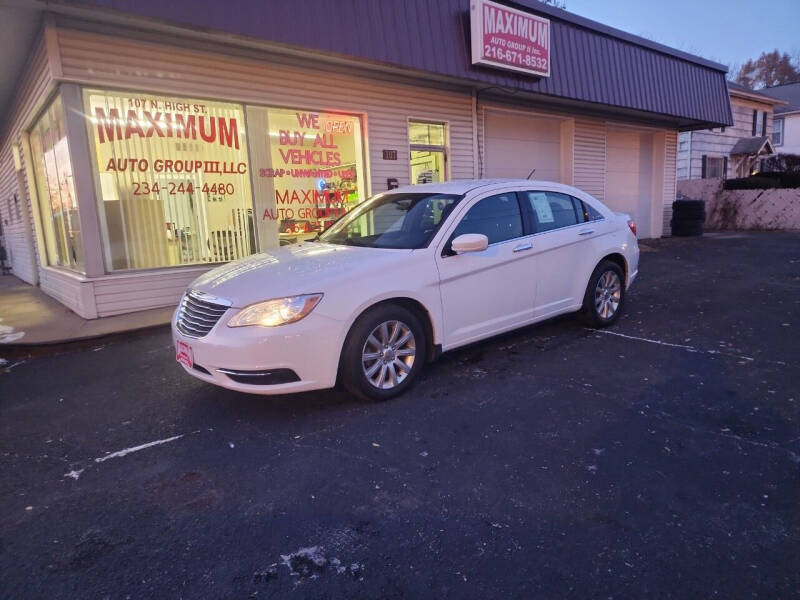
(689, 161)
(476, 162)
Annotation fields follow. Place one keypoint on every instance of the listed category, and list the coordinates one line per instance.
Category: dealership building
(146, 141)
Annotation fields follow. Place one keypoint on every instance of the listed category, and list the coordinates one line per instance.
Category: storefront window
(56, 190)
(308, 170)
(428, 152)
(172, 176)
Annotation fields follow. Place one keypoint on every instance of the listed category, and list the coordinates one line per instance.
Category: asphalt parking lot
(658, 459)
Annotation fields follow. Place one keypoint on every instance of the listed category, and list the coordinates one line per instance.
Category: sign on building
(508, 38)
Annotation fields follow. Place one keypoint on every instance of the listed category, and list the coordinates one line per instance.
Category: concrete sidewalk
(29, 317)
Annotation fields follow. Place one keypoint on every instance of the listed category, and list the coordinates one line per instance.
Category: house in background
(730, 151)
(786, 124)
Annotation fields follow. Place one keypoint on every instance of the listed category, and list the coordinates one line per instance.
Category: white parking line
(687, 348)
(641, 339)
(126, 451)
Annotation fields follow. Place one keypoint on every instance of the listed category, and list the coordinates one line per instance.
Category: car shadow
(219, 404)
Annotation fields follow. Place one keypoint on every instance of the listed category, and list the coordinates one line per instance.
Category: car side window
(497, 217)
(592, 214)
(579, 212)
(551, 210)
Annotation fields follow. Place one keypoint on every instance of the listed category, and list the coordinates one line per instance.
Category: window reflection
(56, 189)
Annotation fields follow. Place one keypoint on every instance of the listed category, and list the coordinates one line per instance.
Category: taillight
(632, 226)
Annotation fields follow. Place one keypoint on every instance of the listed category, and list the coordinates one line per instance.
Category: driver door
(487, 292)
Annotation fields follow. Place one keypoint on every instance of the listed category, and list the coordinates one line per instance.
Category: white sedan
(406, 275)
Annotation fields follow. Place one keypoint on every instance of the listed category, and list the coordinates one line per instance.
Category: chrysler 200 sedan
(406, 275)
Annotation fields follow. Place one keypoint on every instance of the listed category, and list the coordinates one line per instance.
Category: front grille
(198, 313)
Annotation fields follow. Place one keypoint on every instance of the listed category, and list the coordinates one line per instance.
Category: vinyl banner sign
(508, 38)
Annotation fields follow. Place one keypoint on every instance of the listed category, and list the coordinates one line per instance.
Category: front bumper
(310, 348)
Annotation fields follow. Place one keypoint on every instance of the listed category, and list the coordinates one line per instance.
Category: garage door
(629, 183)
(517, 144)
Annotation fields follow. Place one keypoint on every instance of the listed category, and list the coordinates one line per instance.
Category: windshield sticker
(542, 207)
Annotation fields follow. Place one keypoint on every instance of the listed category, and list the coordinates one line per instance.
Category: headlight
(276, 312)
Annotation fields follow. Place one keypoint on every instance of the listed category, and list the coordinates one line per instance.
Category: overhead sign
(508, 38)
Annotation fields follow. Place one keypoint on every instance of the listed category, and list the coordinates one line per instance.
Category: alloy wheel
(607, 294)
(388, 354)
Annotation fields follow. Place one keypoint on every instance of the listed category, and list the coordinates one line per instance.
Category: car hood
(303, 268)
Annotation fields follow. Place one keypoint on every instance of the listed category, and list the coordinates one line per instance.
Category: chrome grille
(198, 313)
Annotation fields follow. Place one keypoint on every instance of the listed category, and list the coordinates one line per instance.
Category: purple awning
(591, 63)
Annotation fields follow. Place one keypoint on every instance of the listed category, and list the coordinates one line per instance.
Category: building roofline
(754, 95)
(780, 85)
(563, 15)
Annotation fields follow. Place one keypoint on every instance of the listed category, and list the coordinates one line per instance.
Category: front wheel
(605, 295)
(384, 353)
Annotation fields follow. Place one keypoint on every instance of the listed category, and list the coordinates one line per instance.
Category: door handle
(523, 247)
(586, 232)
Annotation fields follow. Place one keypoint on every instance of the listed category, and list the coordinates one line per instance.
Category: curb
(75, 343)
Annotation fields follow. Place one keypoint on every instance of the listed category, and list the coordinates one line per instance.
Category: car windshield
(403, 221)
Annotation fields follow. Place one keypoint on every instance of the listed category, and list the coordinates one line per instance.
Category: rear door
(487, 292)
(563, 248)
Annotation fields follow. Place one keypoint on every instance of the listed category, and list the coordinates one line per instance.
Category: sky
(725, 31)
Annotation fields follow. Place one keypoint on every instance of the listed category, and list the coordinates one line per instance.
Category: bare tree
(562, 4)
(771, 68)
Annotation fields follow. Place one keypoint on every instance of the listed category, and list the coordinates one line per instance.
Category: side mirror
(470, 242)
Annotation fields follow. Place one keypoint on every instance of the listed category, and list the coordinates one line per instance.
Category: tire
(690, 215)
(689, 210)
(602, 280)
(684, 228)
(694, 214)
(362, 376)
(687, 203)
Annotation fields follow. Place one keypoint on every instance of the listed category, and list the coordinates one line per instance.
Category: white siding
(17, 218)
(670, 183)
(590, 157)
(682, 161)
(117, 294)
(719, 143)
(70, 289)
(791, 135)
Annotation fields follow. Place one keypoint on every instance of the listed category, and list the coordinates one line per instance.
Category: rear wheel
(384, 353)
(605, 295)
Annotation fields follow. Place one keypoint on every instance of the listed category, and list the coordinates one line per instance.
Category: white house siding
(670, 179)
(718, 143)
(69, 289)
(791, 134)
(682, 162)
(387, 103)
(589, 157)
(17, 217)
(129, 292)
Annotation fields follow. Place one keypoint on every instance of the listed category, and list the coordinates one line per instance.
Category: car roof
(464, 186)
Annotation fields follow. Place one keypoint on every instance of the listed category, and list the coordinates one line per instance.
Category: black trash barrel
(688, 217)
